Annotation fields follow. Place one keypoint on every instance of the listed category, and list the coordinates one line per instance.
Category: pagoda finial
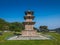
(28, 12)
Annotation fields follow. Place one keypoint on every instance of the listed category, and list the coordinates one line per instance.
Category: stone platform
(40, 37)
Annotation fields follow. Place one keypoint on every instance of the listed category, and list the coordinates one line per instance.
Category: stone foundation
(29, 33)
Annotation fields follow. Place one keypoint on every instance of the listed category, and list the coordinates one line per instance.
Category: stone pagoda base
(29, 33)
(39, 37)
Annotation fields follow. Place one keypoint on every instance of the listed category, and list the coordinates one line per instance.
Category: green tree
(3, 25)
(36, 29)
(43, 29)
(16, 26)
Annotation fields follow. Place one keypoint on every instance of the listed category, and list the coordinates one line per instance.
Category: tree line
(13, 26)
(18, 26)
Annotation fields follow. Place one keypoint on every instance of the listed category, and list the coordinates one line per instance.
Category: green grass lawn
(55, 41)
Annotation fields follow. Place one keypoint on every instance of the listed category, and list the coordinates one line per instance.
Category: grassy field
(55, 41)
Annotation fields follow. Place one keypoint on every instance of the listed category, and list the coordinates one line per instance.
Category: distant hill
(57, 30)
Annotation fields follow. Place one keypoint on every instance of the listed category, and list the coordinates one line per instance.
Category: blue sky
(46, 12)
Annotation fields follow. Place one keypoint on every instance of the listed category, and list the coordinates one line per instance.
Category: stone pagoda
(29, 33)
(29, 24)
